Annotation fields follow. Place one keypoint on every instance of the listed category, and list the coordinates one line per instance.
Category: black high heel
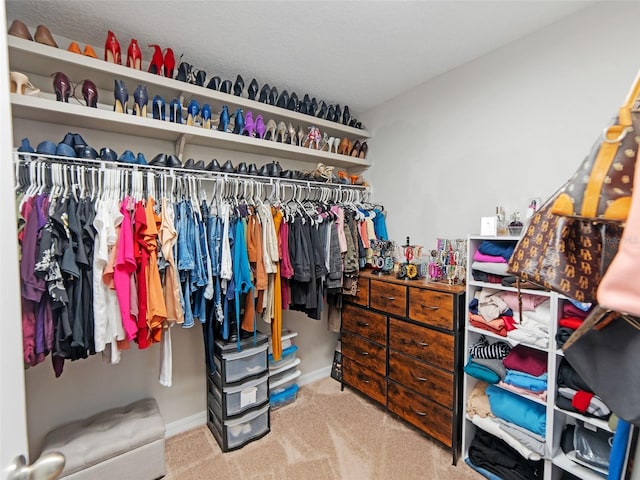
(238, 87)
(252, 89)
(121, 96)
(346, 115)
(292, 104)
(337, 114)
(184, 70)
(159, 108)
(214, 83)
(331, 113)
(264, 93)
(141, 99)
(273, 96)
(225, 87)
(313, 106)
(199, 77)
(323, 110)
(283, 100)
(175, 111)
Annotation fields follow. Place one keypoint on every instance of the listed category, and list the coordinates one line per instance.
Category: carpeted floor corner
(325, 434)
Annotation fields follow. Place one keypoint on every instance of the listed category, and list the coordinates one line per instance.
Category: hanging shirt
(141, 253)
(156, 309)
(125, 266)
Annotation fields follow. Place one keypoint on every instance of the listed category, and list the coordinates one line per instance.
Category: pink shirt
(125, 266)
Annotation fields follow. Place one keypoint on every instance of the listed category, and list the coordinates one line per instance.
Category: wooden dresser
(402, 343)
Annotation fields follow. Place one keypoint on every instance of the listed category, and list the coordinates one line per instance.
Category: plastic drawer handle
(422, 344)
(362, 324)
(420, 379)
(417, 412)
(362, 352)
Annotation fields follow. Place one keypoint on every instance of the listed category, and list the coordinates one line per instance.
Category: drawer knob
(420, 379)
(362, 352)
(362, 324)
(422, 344)
(418, 412)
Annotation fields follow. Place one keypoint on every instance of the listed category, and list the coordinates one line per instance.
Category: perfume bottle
(501, 222)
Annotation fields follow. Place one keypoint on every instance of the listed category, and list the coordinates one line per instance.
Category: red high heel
(156, 61)
(134, 55)
(169, 63)
(112, 49)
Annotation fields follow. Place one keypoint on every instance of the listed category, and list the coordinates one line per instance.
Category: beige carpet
(325, 434)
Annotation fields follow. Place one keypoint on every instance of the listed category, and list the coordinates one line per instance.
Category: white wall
(511, 125)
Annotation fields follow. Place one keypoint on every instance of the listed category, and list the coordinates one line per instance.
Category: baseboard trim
(186, 423)
(199, 419)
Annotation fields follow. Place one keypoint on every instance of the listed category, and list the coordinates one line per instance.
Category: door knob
(47, 467)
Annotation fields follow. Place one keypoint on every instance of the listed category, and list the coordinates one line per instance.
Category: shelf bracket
(180, 143)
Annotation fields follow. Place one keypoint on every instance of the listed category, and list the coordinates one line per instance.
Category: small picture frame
(489, 226)
(336, 369)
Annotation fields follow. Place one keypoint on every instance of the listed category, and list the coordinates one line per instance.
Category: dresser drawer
(365, 323)
(431, 308)
(429, 417)
(425, 379)
(389, 298)
(361, 378)
(362, 297)
(364, 352)
(423, 343)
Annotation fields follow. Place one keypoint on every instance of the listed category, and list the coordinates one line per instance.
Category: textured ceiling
(356, 53)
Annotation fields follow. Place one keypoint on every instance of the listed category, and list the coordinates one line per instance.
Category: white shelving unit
(555, 461)
(40, 61)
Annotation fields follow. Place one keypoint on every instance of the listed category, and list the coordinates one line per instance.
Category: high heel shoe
(346, 115)
(134, 55)
(121, 96)
(355, 149)
(112, 49)
(223, 124)
(249, 125)
(141, 99)
(21, 85)
(184, 71)
(322, 112)
(331, 113)
(252, 89)
(273, 96)
(364, 148)
(89, 52)
(62, 86)
(74, 48)
(338, 114)
(313, 106)
(293, 137)
(283, 99)
(20, 30)
(43, 35)
(260, 128)
(159, 108)
(205, 114)
(300, 136)
(270, 131)
(214, 83)
(199, 77)
(344, 147)
(264, 93)
(292, 104)
(225, 87)
(155, 66)
(192, 112)
(238, 87)
(336, 143)
(281, 133)
(89, 93)
(239, 121)
(169, 63)
(175, 111)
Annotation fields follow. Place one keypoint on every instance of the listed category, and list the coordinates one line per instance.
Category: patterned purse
(601, 188)
(564, 254)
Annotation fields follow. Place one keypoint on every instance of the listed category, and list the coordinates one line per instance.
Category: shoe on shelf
(205, 114)
(252, 170)
(273, 96)
(228, 167)
(281, 133)
(168, 63)
(264, 93)
(155, 66)
(89, 52)
(121, 95)
(21, 85)
(293, 136)
(225, 87)
(127, 157)
(43, 35)
(62, 87)
(242, 168)
(345, 146)
(238, 118)
(89, 93)
(260, 128)
(238, 87)
(362, 152)
(112, 51)
(189, 164)
(160, 160)
(159, 108)
(108, 155)
(140, 160)
(134, 55)
(141, 99)
(213, 166)
(322, 113)
(199, 78)
(184, 72)
(249, 125)
(199, 165)
(173, 162)
(20, 30)
(270, 131)
(214, 83)
(25, 146)
(86, 152)
(346, 115)
(192, 112)
(74, 48)
(252, 89)
(64, 150)
(223, 124)
(175, 111)
(283, 99)
(292, 104)
(355, 149)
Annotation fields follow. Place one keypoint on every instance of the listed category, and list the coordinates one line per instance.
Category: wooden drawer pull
(417, 412)
(363, 378)
(432, 308)
(362, 324)
(420, 379)
(422, 344)
(388, 298)
(362, 352)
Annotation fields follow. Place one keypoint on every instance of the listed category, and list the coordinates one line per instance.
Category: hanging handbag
(564, 254)
(601, 188)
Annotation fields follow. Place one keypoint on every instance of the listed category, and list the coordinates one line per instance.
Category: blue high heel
(159, 108)
(192, 112)
(140, 160)
(205, 113)
(239, 123)
(141, 98)
(122, 97)
(223, 125)
(175, 111)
